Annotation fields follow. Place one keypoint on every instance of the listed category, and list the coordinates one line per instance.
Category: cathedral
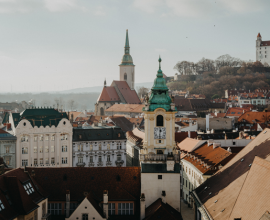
(122, 90)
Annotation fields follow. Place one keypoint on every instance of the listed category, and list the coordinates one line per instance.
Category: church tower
(159, 160)
(127, 68)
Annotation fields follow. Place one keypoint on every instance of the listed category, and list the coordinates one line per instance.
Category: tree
(142, 91)
(71, 104)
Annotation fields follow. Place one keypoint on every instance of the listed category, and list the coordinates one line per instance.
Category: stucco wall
(152, 187)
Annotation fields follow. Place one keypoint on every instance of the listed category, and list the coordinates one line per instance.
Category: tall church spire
(127, 43)
(127, 59)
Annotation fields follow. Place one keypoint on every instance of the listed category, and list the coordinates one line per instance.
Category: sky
(54, 45)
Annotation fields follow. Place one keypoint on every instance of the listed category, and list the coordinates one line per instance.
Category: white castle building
(262, 50)
(44, 138)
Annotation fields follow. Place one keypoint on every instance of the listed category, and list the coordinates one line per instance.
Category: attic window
(2, 207)
(28, 188)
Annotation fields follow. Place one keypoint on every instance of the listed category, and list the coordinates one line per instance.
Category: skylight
(28, 188)
(2, 207)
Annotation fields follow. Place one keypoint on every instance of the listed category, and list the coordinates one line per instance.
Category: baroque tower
(160, 168)
(127, 68)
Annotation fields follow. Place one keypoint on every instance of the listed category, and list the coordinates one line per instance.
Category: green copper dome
(159, 97)
(127, 59)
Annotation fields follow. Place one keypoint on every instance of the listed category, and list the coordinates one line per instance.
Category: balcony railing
(91, 164)
(108, 163)
(100, 164)
(80, 164)
(159, 157)
(119, 163)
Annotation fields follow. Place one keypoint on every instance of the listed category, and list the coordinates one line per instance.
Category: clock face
(160, 133)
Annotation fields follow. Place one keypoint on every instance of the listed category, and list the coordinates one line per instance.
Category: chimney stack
(163, 196)
(105, 204)
(189, 134)
(142, 206)
(67, 203)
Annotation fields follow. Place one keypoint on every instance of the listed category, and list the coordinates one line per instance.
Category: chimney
(142, 206)
(67, 203)
(163, 196)
(105, 204)
(189, 134)
(225, 136)
(71, 118)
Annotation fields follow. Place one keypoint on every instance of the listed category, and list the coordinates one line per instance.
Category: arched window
(125, 76)
(159, 120)
(101, 111)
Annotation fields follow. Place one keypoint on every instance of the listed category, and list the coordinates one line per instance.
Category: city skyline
(65, 44)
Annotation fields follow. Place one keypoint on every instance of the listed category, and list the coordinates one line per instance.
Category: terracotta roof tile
(236, 111)
(180, 136)
(255, 117)
(265, 43)
(129, 95)
(135, 108)
(108, 94)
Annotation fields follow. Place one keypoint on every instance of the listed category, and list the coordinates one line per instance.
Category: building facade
(44, 138)
(99, 146)
(158, 158)
(8, 148)
(121, 91)
(262, 50)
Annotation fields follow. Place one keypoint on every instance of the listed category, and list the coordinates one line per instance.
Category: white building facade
(262, 50)
(44, 138)
(99, 146)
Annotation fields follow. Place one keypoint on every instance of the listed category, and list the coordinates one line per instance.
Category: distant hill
(98, 89)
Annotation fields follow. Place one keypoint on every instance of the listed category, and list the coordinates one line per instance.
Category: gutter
(195, 196)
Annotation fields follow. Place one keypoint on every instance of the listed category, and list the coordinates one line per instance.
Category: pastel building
(44, 138)
(8, 148)
(262, 50)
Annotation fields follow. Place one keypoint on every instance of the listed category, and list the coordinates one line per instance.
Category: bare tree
(71, 104)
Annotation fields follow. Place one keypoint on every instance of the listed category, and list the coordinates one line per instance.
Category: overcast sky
(53, 45)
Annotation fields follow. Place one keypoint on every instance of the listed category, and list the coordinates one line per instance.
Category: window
(91, 148)
(46, 149)
(72, 207)
(41, 161)
(46, 137)
(40, 149)
(35, 138)
(7, 149)
(159, 120)
(52, 149)
(64, 137)
(28, 188)
(52, 137)
(99, 159)
(160, 177)
(80, 159)
(64, 160)
(108, 147)
(41, 137)
(99, 147)
(84, 216)
(119, 157)
(125, 76)
(24, 163)
(7, 160)
(186, 183)
(35, 149)
(52, 160)
(125, 208)
(119, 146)
(111, 208)
(35, 161)
(108, 158)
(1, 206)
(24, 150)
(55, 208)
(233, 142)
(24, 138)
(91, 159)
(80, 147)
(64, 148)
(46, 160)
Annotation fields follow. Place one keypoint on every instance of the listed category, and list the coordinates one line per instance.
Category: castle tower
(159, 160)
(259, 40)
(127, 68)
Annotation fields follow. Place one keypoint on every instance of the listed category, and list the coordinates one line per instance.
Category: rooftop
(132, 108)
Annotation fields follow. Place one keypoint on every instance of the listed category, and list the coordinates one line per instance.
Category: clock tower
(158, 158)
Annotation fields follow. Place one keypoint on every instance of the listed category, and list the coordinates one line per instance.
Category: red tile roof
(180, 136)
(122, 183)
(161, 210)
(241, 188)
(130, 96)
(236, 111)
(108, 94)
(259, 35)
(132, 108)
(265, 43)
(255, 117)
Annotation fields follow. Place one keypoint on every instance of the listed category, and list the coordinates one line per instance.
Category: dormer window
(28, 188)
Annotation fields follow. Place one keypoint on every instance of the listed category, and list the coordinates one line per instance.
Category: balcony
(100, 164)
(80, 164)
(108, 163)
(119, 163)
(159, 157)
(91, 164)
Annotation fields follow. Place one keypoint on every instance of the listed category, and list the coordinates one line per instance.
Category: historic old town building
(99, 146)
(44, 137)
(158, 157)
(121, 91)
(8, 148)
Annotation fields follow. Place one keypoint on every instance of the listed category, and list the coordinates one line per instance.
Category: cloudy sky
(53, 45)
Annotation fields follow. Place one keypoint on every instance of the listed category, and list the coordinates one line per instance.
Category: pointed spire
(105, 82)
(127, 41)
(159, 72)
(259, 35)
